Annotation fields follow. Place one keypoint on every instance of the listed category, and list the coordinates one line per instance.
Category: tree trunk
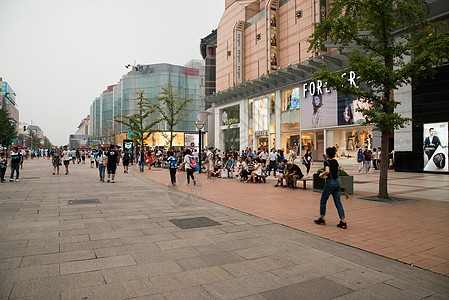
(383, 179)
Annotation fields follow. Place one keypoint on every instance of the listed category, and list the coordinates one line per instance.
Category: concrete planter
(346, 182)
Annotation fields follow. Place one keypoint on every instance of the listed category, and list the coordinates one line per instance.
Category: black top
(367, 155)
(333, 166)
(297, 169)
(126, 158)
(112, 157)
(308, 158)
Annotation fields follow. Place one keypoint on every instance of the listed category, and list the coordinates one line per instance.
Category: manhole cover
(29, 177)
(87, 201)
(391, 200)
(194, 222)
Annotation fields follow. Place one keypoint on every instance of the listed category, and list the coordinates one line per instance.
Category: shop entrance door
(320, 145)
(262, 142)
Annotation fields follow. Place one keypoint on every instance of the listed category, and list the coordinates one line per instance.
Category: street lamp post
(199, 125)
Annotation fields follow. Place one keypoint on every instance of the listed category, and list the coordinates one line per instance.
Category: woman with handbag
(331, 187)
(307, 161)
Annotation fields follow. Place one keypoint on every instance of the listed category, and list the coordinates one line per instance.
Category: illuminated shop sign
(316, 88)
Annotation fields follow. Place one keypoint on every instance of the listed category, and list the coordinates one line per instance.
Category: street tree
(172, 109)
(140, 124)
(47, 143)
(7, 129)
(33, 141)
(390, 43)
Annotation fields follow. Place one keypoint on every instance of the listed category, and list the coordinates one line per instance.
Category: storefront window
(272, 104)
(250, 108)
(231, 138)
(290, 99)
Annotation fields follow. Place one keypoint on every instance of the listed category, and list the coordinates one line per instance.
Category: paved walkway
(415, 232)
(125, 246)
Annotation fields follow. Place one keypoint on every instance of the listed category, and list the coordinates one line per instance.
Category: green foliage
(7, 129)
(33, 141)
(341, 172)
(136, 122)
(47, 143)
(390, 43)
(172, 109)
(229, 122)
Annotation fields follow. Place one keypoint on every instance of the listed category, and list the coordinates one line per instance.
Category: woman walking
(189, 168)
(307, 161)
(332, 186)
(56, 161)
(360, 160)
(101, 167)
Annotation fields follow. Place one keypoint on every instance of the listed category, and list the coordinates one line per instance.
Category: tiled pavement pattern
(415, 232)
(125, 247)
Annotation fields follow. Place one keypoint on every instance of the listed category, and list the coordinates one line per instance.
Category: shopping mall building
(117, 102)
(265, 96)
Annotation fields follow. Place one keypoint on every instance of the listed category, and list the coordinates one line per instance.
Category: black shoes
(320, 221)
(342, 225)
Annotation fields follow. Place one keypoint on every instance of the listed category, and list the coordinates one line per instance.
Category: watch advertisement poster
(435, 147)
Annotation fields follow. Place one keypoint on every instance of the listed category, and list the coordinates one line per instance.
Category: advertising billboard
(318, 110)
(348, 113)
(191, 140)
(435, 147)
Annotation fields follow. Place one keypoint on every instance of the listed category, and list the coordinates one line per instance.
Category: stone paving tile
(60, 240)
(244, 286)
(96, 264)
(320, 288)
(255, 266)
(163, 255)
(127, 249)
(89, 245)
(379, 291)
(117, 234)
(141, 271)
(194, 293)
(180, 243)
(53, 258)
(49, 296)
(410, 288)
(10, 263)
(56, 283)
(313, 270)
(120, 290)
(208, 260)
(359, 278)
(148, 238)
(29, 273)
(187, 279)
(226, 246)
(14, 225)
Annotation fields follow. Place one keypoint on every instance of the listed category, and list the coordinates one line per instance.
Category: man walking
(66, 158)
(367, 157)
(16, 160)
(112, 160)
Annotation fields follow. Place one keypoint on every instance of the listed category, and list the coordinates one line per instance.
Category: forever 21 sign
(316, 88)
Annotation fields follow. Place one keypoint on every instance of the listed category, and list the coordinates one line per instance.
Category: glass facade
(119, 100)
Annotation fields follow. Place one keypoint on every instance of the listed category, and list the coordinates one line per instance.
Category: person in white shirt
(264, 156)
(188, 168)
(66, 158)
(274, 156)
(210, 162)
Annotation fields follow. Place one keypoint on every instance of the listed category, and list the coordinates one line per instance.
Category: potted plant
(346, 182)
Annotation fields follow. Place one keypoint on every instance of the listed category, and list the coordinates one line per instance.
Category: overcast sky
(58, 55)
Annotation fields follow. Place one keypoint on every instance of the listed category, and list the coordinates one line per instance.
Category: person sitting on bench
(282, 169)
(293, 174)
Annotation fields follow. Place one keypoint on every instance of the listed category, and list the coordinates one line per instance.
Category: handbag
(304, 162)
